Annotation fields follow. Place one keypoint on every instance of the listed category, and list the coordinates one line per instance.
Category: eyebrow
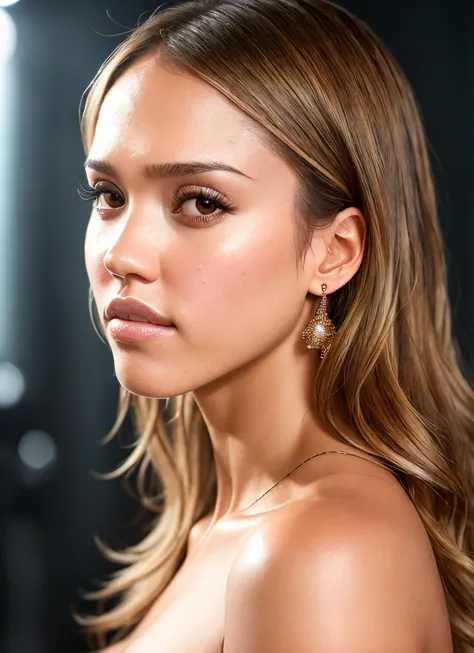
(167, 170)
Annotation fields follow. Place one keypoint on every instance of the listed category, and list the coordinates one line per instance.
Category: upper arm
(330, 581)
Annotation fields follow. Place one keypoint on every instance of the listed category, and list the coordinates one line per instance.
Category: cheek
(94, 258)
(243, 280)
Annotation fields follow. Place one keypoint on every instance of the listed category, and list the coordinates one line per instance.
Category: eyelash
(194, 192)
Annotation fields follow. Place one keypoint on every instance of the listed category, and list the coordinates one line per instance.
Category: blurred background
(58, 390)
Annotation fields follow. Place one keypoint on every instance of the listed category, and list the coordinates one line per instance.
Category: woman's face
(229, 285)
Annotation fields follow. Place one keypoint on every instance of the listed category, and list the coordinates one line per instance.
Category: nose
(132, 253)
(108, 267)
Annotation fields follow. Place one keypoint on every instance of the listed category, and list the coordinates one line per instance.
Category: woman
(262, 189)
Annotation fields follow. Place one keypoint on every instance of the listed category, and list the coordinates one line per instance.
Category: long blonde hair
(325, 94)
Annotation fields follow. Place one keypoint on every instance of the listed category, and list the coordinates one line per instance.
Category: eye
(98, 192)
(204, 201)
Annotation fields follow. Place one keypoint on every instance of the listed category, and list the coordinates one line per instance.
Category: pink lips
(130, 331)
(131, 308)
(131, 320)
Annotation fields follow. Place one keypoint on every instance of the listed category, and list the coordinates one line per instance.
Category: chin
(159, 385)
(146, 388)
(160, 378)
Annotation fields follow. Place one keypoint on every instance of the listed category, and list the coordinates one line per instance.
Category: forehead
(153, 108)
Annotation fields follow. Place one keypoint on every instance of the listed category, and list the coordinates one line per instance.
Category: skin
(239, 304)
(231, 287)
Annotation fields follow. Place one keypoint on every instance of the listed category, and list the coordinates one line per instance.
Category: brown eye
(112, 199)
(206, 206)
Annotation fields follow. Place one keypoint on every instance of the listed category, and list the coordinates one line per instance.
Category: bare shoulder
(351, 569)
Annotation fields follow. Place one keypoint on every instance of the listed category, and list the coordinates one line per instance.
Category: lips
(133, 309)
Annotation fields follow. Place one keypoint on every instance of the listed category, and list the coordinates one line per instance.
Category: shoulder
(334, 575)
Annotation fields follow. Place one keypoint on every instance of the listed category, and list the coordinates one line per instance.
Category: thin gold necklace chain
(347, 453)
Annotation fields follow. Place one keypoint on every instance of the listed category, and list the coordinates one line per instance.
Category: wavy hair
(323, 92)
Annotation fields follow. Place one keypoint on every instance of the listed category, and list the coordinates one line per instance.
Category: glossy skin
(347, 567)
(232, 289)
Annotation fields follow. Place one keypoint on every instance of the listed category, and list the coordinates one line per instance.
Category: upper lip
(122, 307)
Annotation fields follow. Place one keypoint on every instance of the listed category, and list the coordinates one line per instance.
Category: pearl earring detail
(320, 332)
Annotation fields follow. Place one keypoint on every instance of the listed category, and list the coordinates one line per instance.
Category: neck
(262, 424)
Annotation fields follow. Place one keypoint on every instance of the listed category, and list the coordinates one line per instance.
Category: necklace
(347, 453)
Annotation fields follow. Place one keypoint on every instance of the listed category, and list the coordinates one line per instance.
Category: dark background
(58, 391)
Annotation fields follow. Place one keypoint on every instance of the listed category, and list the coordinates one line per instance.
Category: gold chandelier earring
(320, 332)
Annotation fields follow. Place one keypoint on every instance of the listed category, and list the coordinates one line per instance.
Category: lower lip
(130, 331)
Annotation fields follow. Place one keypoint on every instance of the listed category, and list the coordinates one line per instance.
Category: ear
(337, 251)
